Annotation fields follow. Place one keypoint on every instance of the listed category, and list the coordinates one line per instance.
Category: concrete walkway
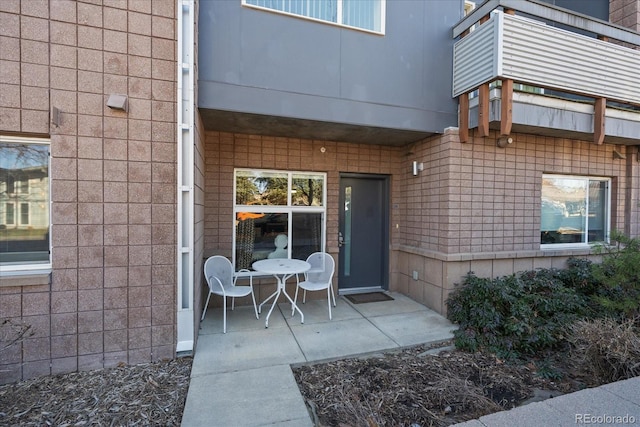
(243, 378)
(616, 404)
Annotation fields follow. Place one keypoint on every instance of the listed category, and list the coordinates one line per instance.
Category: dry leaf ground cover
(410, 387)
(415, 387)
(140, 395)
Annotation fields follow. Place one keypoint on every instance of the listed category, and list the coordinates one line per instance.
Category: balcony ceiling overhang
(560, 118)
(595, 77)
(257, 124)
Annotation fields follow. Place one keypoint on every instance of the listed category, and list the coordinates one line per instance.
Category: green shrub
(619, 273)
(579, 276)
(514, 315)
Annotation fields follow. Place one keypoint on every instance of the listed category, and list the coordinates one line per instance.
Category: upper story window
(278, 214)
(362, 14)
(575, 210)
(24, 204)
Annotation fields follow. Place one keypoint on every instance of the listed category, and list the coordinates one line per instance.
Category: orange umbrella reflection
(248, 215)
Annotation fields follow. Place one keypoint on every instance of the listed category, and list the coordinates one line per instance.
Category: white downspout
(185, 180)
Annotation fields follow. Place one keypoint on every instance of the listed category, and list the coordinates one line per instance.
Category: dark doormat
(368, 297)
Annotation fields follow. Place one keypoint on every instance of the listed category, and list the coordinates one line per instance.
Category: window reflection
(256, 235)
(573, 210)
(24, 203)
(306, 234)
(278, 215)
(261, 188)
(307, 190)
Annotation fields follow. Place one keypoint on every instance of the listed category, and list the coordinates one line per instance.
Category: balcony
(531, 76)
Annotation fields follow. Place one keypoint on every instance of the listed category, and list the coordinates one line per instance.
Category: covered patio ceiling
(229, 121)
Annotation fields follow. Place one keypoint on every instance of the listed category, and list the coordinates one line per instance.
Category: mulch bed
(410, 387)
(139, 395)
(415, 388)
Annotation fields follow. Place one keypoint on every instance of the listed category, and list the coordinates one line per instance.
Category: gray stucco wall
(266, 63)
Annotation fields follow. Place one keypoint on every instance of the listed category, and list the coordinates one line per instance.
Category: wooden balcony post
(463, 128)
(483, 110)
(506, 107)
(600, 108)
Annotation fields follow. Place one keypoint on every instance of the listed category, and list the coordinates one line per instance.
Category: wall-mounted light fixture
(56, 116)
(503, 141)
(118, 102)
(417, 166)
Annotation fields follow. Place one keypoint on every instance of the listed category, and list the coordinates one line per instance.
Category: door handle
(340, 239)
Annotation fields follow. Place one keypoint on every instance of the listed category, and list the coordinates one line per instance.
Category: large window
(277, 215)
(362, 14)
(574, 211)
(24, 204)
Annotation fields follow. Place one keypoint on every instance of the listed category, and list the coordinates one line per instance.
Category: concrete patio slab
(400, 304)
(415, 327)
(245, 350)
(327, 340)
(241, 319)
(316, 311)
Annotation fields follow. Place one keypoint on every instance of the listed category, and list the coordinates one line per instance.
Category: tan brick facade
(625, 13)
(111, 296)
(474, 207)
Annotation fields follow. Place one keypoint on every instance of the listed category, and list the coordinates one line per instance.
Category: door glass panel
(307, 190)
(261, 188)
(306, 234)
(346, 245)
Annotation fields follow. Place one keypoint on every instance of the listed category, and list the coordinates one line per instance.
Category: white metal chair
(318, 278)
(218, 271)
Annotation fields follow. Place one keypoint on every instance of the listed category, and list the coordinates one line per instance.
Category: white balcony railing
(530, 52)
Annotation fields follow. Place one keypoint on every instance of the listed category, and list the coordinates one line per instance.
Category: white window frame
(14, 212)
(607, 220)
(288, 209)
(22, 213)
(382, 13)
(39, 267)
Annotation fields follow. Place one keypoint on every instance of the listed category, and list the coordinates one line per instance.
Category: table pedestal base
(281, 290)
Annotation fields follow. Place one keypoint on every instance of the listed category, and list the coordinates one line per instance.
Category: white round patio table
(282, 269)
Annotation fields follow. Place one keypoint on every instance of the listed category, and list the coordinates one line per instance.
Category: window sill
(25, 278)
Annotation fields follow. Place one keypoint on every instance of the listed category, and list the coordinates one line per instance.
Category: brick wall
(474, 207)
(111, 296)
(477, 197)
(625, 13)
(226, 151)
(479, 208)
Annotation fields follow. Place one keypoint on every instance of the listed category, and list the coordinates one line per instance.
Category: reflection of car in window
(552, 215)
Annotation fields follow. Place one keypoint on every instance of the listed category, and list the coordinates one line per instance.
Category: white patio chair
(221, 279)
(318, 278)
